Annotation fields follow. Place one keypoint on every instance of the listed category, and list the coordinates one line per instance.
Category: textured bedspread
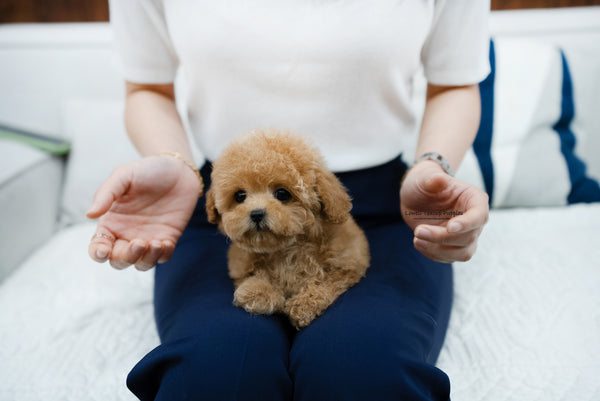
(525, 323)
(526, 318)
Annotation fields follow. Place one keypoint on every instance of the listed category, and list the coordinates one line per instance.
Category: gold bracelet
(178, 155)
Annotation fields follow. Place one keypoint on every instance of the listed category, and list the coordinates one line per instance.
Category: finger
(126, 253)
(111, 189)
(101, 245)
(476, 215)
(440, 235)
(445, 253)
(168, 249)
(150, 257)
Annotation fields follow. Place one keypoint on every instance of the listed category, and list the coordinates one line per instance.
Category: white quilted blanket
(525, 324)
(526, 319)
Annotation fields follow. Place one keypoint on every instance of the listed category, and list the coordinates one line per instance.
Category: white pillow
(524, 153)
(99, 144)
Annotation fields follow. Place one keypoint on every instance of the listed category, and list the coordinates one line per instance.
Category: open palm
(143, 208)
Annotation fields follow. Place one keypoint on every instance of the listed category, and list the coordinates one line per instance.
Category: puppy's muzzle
(258, 216)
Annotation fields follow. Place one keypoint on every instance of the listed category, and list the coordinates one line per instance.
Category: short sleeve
(456, 50)
(141, 38)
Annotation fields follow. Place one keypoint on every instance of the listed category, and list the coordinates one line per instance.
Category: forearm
(450, 122)
(152, 120)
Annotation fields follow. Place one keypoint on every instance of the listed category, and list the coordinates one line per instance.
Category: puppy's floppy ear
(211, 210)
(335, 201)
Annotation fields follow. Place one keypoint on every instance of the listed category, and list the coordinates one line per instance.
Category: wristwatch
(436, 157)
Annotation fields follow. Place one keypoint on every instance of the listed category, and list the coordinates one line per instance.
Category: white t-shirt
(337, 71)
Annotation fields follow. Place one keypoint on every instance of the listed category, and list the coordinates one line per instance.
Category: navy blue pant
(378, 341)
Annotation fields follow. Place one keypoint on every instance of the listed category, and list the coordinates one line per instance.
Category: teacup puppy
(295, 248)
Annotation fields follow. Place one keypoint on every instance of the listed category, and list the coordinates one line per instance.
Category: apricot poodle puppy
(295, 248)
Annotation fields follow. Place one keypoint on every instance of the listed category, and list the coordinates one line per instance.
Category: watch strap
(436, 157)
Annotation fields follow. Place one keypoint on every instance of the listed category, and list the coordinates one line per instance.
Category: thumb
(111, 190)
(434, 183)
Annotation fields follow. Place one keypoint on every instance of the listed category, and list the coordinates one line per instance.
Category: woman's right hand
(143, 208)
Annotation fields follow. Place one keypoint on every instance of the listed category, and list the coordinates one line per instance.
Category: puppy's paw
(258, 296)
(302, 309)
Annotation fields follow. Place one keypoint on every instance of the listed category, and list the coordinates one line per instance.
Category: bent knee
(237, 364)
(357, 374)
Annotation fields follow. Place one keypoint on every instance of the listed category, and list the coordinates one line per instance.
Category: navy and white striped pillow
(524, 152)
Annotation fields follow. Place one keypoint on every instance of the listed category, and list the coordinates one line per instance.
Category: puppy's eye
(282, 195)
(240, 196)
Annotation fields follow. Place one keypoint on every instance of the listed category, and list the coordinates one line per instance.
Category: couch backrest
(577, 32)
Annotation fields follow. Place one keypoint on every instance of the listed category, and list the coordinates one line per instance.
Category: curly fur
(305, 251)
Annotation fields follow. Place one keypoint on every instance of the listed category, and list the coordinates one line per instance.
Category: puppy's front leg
(257, 295)
(317, 295)
(253, 289)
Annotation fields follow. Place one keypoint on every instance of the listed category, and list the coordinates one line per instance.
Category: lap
(194, 285)
(387, 330)
(210, 349)
(193, 292)
(395, 316)
(403, 301)
(388, 322)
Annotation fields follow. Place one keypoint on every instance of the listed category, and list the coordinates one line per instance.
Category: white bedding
(525, 323)
(526, 319)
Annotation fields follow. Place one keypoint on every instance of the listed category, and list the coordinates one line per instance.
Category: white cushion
(528, 159)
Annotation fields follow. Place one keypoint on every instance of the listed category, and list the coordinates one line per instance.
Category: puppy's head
(269, 188)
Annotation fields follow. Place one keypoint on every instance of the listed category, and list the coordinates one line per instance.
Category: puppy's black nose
(257, 215)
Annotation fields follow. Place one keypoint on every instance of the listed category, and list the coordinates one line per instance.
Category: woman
(339, 72)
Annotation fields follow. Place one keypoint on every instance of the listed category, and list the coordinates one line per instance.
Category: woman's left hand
(447, 215)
